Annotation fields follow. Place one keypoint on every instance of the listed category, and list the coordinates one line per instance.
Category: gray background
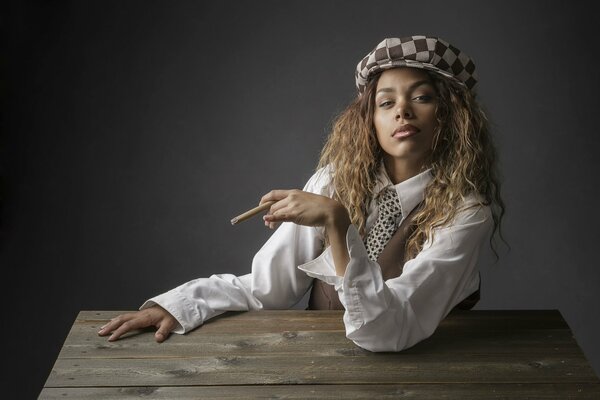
(133, 131)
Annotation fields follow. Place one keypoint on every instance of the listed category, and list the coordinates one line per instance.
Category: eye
(385, 103)
(423, 98)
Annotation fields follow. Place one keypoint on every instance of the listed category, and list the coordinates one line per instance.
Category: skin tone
(403, 96)
(154, 316)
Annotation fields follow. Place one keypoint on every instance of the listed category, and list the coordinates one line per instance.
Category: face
(404, 116)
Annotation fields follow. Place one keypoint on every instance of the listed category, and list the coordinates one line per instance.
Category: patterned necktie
(385, 226)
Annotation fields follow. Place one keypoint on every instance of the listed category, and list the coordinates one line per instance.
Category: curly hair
(463, 161)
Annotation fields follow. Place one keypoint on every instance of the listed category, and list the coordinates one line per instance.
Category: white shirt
(380, 315)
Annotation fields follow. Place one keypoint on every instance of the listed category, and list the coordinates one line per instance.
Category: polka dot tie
(385, 226)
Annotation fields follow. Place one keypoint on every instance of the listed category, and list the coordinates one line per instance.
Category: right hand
(152, 316)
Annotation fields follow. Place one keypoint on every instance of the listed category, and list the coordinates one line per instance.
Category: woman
(389, 227)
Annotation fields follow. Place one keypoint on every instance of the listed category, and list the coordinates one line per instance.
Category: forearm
(198, 300)
(336, 231)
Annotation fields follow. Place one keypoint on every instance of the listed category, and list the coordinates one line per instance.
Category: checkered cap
(431, 53)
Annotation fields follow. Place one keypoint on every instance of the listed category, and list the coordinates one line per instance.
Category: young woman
(389, 227)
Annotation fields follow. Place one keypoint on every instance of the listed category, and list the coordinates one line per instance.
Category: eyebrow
(411, 87)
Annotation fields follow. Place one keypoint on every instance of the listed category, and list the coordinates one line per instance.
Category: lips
(405, 131)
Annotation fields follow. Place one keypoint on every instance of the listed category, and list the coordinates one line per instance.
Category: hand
(155, 315)
(302, 208)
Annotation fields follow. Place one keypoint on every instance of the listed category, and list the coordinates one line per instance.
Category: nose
(403, 111)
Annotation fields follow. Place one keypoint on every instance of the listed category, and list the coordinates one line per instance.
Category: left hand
(152, 316)
(302, 208)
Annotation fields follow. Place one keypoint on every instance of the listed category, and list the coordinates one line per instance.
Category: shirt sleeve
(396, 314)
(274, 283)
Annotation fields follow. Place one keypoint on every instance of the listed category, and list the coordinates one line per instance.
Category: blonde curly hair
(463, 161)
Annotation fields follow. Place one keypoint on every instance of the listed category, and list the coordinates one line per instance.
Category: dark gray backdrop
(134, 131)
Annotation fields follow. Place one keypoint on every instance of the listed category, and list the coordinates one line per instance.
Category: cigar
(252, 212)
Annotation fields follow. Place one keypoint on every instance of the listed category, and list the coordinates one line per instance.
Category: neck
(400, 170)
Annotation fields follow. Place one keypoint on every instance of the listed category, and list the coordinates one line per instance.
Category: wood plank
(267, 320)
(306, 369)
(472, 355)
(85, 343)
(245, 322)
(143, 345)
(470, 332)
(350, 392)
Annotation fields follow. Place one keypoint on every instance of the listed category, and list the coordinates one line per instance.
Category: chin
(400, 151)
(404, 156)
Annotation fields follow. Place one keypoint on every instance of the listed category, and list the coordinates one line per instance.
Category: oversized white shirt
(379, 315)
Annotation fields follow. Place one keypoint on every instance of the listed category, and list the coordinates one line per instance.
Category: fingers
(276, 195)
(164, 329)
(302, 208)
(279, 206)
(281, 214)
(124, 323)
(127, 326)
(268, 223)
(282, 198)
(114, 324)
(290, 199)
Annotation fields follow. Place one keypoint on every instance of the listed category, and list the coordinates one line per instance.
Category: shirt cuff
(323, 268)
(361, 287)
(177, 306)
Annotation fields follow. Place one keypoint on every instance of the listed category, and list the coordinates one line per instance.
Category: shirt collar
(410, 192)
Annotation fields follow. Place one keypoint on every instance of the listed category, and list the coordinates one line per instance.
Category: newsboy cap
(426, 52)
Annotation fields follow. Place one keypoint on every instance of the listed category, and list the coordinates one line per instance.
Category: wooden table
(305, 354)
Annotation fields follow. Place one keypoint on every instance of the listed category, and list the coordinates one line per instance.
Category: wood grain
(306, 369)
(350, 392)
(305, 354)
(86, 344)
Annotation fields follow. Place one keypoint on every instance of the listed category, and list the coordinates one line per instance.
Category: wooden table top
(305, 354)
